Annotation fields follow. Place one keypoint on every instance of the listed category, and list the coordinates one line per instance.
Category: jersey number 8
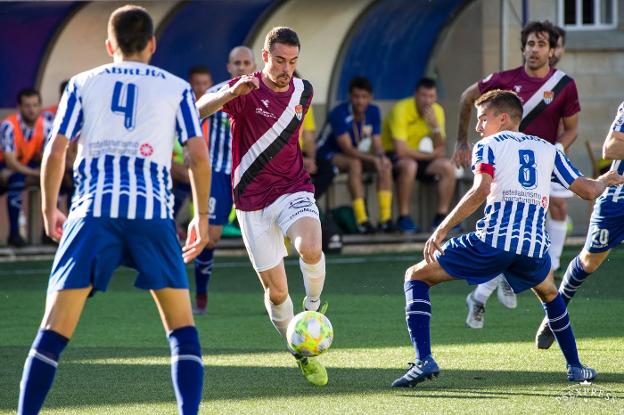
(527, 175)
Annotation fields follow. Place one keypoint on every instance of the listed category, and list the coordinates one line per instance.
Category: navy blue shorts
(220, 203)
(91, 249)
(468, 258)
(606, 227)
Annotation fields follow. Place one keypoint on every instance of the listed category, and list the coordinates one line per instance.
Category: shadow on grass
(80, 383)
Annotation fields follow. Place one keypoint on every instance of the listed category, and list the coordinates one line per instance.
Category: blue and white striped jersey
(523, 167)
(220, 139)
(611, 201)
(126, 116)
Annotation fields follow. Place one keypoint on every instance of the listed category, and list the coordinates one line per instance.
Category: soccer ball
(309, 333)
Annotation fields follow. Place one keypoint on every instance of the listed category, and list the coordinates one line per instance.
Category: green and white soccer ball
(309, 333)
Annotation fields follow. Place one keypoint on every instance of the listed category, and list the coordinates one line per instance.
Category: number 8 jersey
(125, 116)
(522, 167)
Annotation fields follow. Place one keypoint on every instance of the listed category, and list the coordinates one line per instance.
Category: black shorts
(421, 169)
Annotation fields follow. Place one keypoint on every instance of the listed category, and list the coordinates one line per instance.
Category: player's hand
(430, 118)
(196, 238)
(244, 85)
(462, 155)
(53, 224)
(611, 178)
(433, 244)
(309, 165)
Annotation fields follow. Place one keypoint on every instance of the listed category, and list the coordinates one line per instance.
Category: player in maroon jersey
(549, 98)
(273, 193)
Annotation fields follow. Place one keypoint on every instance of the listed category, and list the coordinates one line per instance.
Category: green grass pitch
(118, 361)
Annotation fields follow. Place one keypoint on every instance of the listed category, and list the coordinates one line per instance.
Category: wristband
(203, 213)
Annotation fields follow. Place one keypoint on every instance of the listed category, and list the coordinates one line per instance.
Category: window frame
(579, 16)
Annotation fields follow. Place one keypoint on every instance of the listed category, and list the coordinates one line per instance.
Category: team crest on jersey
(265, 102)
(299, 111)
(146, 150)
(548, 97)
(517, 88)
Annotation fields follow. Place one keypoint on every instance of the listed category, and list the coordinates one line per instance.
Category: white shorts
(264, 230)
(557, 190)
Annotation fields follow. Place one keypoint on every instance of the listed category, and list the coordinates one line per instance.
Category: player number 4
(124, 102)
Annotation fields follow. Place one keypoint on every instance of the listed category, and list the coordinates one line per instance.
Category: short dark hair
(428, 83)
(27, 92)
(199, 69)
(539, 27)
(281, 34)
(131, 27)
(502, 101)
(360, 82)
(561, 34)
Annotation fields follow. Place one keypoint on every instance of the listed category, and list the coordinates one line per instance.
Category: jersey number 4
(124, 102)
(527, 175)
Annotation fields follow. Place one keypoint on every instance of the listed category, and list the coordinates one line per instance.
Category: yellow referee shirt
(404, 123)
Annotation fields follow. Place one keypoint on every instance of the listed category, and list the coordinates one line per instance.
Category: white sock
(280, 314)
(313, 280)
(483, 291)
(557, 230)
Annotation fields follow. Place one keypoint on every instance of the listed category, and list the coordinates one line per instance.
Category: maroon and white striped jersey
(267, 160)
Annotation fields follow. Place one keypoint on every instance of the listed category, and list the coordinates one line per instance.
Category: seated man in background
(351, 141)
(415, 139)
(322, 172)
(22, 137)
(200, 79)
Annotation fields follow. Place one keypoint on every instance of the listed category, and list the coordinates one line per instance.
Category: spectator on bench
(351, 141)
(22, 138)
(414, 139)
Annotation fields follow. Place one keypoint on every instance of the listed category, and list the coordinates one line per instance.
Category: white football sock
(313, 280)
(557, 230)
(280, 314)
(483, 291)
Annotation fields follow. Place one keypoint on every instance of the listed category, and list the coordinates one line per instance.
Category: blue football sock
(574, 276)
(559, 323)
(418, 316)
(187, 369)
(39, 371)
(203, 270)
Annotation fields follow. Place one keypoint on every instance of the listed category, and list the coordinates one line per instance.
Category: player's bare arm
(590, 189)
(52, 169)
(12, 163)
(570, 130)
(462, 148)
(380, 157)
(200, 178)
(467, 206)
(613, 147)
(210, 103)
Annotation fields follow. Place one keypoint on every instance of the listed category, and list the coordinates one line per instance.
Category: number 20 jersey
(522, 167)
(125, 116)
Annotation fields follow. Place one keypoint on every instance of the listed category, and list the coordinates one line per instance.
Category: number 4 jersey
(126, 116)
(522, 167)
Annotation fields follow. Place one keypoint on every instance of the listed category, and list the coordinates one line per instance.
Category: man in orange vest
(22, 138)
